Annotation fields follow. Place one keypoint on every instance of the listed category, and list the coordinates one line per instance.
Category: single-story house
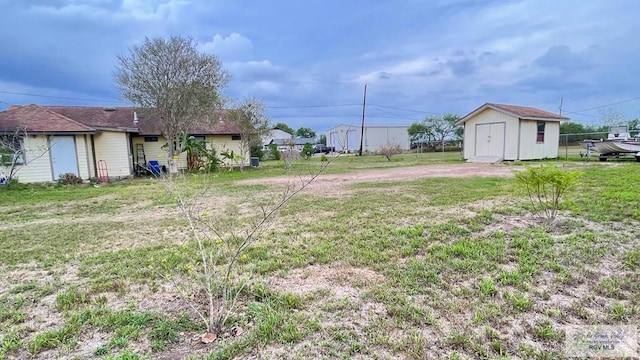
(346, 138)
(496, 132)
(274, 134)
(292, 143)
(80, 140)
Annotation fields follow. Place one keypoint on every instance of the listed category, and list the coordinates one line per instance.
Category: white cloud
(228, 48)
(139, 10)
(255, 70)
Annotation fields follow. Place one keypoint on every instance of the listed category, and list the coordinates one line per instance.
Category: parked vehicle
(321, 148)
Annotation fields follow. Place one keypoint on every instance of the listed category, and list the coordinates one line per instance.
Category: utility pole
(364, 105)
(560, 106)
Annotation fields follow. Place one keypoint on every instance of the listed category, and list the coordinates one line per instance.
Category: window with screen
(236, 137)
(150, 139)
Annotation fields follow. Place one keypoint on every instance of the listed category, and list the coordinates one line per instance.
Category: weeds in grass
(618, 312)
(520, 301)
(66, 336)
(545, 331)
(487, 287)
(71, 299)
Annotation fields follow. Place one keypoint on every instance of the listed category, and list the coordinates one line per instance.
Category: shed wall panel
(530, 149)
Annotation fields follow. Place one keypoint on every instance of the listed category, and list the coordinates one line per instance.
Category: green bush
(307, 151)
(275, 153)
(546, 185)
(324, 157)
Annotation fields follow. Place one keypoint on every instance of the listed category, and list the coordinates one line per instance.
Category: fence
(574, 145)
(436, 146)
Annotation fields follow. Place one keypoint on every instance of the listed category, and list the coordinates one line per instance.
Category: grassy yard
(439, 267)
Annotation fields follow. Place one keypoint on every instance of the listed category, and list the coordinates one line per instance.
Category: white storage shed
(495, 132)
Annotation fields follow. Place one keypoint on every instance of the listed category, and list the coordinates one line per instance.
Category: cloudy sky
(308, 60)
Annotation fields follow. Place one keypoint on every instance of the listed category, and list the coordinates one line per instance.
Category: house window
(199, 138)
(540, 135)
(236, 137)
(11, 147)
(150, 139)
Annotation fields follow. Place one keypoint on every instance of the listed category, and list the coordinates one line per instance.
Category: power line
(59, 97)
(390, 113)
(310, 106)
(404, 109)
(577, 113)
(118, 101)
(606, 105)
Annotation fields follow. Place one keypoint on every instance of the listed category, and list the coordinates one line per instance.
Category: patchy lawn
(408, 259)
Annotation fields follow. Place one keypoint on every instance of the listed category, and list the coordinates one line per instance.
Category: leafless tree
(217, 278)
(389, 149)
(169, 79)
(250, 119)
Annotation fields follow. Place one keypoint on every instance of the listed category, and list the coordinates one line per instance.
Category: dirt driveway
(392, 174)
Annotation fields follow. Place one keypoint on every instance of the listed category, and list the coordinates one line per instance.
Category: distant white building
(275, 135)
(292, 144)
(347, 137)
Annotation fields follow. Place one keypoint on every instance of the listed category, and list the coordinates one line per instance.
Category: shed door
(63, 156)
(490, 139)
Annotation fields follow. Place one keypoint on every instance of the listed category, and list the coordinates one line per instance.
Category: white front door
(490, 139)
(63, 156)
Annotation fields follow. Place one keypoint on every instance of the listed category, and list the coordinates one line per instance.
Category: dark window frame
(150, 139)
(540, 129)
(236, 137)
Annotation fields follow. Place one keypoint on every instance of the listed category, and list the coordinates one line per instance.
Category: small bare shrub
(389, 149)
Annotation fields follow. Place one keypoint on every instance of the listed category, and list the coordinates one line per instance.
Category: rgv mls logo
(601, 341)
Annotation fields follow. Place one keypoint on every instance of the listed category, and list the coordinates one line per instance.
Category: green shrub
(275, 153)
(546, 185)
(324, 157)
(307, 151)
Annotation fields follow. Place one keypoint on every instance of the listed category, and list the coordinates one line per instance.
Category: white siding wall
(113, 147)
(82, 153)
(223, 142)
(152, 150)
(530, 149)
(38, 157)
(347, 137)
(375, 137)
(490, 116)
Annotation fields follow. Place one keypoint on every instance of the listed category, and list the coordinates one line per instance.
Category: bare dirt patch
(331, 181)
(342, 282)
